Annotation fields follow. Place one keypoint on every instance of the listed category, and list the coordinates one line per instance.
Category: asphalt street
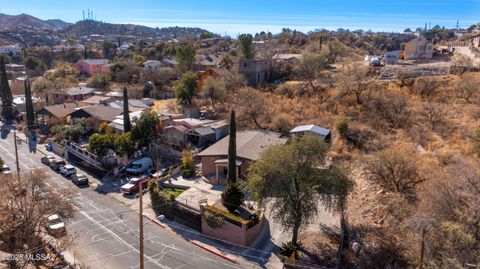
(107, 230)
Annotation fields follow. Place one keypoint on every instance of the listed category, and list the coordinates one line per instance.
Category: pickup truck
(133, 184)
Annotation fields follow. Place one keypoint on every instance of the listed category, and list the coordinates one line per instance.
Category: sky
(250, 16)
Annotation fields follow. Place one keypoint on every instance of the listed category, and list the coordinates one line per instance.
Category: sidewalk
(260, 254)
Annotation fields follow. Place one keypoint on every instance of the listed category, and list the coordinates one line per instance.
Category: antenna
(83, 11)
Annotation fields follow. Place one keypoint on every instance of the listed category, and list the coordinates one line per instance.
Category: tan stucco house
(250, 145)
(419, 48)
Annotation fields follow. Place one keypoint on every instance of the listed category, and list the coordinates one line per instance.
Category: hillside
(12, 22)
(84, 28)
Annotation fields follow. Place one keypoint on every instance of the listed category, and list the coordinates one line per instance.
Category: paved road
(107, 230)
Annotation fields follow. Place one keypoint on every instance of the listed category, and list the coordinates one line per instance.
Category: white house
(12, 50)
(151, 65)
(124, 47)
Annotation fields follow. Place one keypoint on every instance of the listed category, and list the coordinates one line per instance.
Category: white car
(5, 169)
(55, 225)
(68, 170)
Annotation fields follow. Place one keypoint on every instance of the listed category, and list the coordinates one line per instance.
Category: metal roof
(310, 128)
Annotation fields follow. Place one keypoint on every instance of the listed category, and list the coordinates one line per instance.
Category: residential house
(255, 71)
(15, 68)
(322, 133)
(98, 99)
(206, 61)
(115, 94)
(419, 48)
(175, 135)
(290, 58)
(57, 113)
(250, 146)
(90, 66)
(152, 65)
(96, 114)
(133, 105)
(392, 57)
(11, 50)
(475, 40)
(72, 94)
(117, 123)
(172, 63)
(125, 46)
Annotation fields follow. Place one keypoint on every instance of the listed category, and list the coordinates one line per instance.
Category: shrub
(162, 203)
(288, 249)
(232, 197)
(214, 220)
(342, 129)
(188, 173)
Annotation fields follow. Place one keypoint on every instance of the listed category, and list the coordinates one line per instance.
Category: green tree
(138, 59)
(5, 94)
(187, 162)
(206, 35)
(99, 80)
(342, 129)
(232, 197)
(185, 56)
(127, 125)
(34, 64)
(144, 129)
(29, 106)
(232, 149)
(245, 46)
(1, 162)
(293, 178)
(186, 88)
(100, 144)
(124, 144)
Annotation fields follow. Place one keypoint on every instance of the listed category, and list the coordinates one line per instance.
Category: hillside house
(250, 145)
(255, 71)
(475, 40)
(206, 61)
(57, 113)
(152, 65)
(419, 48)
(11, 50)
(90, 66)
(71, 94)
(290, 58)
(96, 114)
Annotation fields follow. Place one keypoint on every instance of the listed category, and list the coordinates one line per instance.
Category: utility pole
(422, 248)
(16, 152)
(140, 196)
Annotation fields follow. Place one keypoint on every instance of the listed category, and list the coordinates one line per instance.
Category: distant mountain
(24, 21)
(89, 27)
(59, 24)
(30, 30)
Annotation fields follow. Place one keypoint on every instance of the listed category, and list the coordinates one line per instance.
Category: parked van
(139, 166)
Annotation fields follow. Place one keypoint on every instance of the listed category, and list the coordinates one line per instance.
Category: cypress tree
(232, 149)
(29, 106)
(85, 53)
(127, 125)
(5, 94)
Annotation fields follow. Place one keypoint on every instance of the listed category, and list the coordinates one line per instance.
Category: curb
(196, 243)
(217, 253)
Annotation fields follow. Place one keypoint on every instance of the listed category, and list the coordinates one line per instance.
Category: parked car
(160, 173)
(5, 169)
(47, 159)
(57, 164)
(80, 179)
(55, 226)
(68, 170)
(133, 184)
(139, 166)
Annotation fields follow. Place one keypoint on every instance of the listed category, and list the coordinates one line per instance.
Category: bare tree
(424, 87)
(309, 68)
(251, 106)
(394, 169)
(432, 114)
(355, 80)
(25, 204)
(467, 89)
